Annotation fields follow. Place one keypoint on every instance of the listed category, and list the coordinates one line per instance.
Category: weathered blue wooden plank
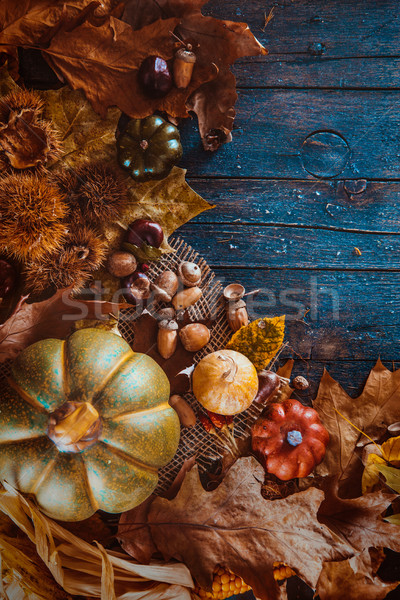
(304, 70)
(273, 128)
(345, 27)
(293, 247)
(351, 375)
(349, 315)
(318, 203)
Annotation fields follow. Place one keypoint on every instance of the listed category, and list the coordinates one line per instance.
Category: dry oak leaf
(32, 23)
(355, 575)
(259, 340)
(104, 62)
(215, 42)
(53, 318)
(372, 412)
(236, 527)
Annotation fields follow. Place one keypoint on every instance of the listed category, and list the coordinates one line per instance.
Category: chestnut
(143, 231)
(7, 278)
(155, 77)
(136, 287)
(268, 386)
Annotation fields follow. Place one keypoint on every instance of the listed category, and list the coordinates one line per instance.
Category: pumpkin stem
(230, 374)
(74, 426)
(294, 437)
(144, 144)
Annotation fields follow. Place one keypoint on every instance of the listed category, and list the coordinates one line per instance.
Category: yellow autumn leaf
(370, 476)
(391, 451)
(85, 135)
(383, 465)
(395, 519)
(260, 340)
(391, 475)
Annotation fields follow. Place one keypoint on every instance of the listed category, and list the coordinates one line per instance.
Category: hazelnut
(121, 264)
(194, 336)
(190, 273)
(165, 286)
(300, 383)
(186, 298)
(167, 338)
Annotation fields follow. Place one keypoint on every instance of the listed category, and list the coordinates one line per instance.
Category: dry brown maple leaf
(215, 42)
(358, 521)
(236, 527)
(133, 523)
(355, 575)
(53, 317)
(377, 407)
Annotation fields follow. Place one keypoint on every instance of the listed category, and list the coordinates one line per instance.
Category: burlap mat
(195, 440)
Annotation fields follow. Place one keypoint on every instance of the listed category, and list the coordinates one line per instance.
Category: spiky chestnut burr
(27, 141)
(32, 212)
(96, 190)
(72, 265)
(21, 99)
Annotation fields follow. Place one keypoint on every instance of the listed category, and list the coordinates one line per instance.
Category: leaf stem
(359, 430)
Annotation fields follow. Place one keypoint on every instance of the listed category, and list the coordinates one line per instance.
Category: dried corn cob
(225, 584)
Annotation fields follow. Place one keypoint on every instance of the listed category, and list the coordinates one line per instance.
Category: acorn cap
(186, 55)
(234, 291)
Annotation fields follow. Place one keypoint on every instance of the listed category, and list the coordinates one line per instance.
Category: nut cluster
(182, 290)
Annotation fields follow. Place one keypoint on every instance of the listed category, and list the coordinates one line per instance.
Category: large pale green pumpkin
(85, 424)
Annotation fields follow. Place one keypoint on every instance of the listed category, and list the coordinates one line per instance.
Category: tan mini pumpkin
(85, 424)
(225, 382)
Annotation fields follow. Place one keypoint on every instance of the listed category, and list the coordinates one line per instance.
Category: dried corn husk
(77, 566)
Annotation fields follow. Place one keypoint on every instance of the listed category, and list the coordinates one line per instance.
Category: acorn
(236, 313)
(186, 298)
(166, 314)
(184, 62)
(194, 336)
(121, 264)
(167, 338)
(190, 273)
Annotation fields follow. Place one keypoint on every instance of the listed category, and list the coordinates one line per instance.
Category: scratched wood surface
(307, 195)
(313, 175)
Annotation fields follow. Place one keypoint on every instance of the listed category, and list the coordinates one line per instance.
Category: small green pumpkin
(149, 148)
(85, 424)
